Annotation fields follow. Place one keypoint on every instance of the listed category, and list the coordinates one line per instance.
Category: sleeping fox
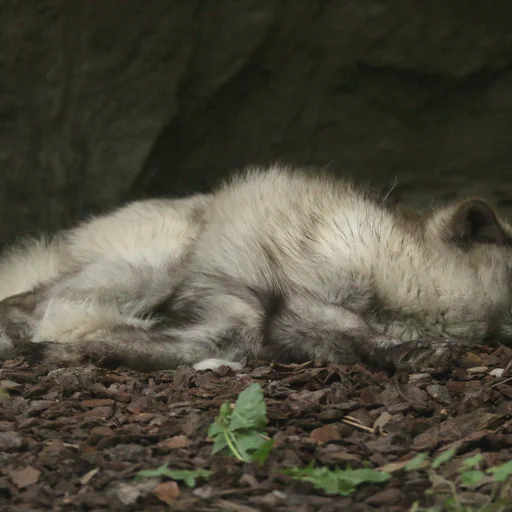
(275, 264)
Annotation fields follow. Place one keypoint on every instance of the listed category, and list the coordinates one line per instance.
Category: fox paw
(418, 354)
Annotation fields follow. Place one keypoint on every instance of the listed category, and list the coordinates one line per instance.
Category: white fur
(215, 364)
(29, 263)
(349, 268)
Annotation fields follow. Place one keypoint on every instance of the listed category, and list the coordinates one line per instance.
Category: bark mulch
(74, 438)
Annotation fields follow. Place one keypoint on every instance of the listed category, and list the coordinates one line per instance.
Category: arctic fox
(278, 263)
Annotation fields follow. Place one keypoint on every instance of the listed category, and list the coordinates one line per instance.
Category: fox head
(476, 236)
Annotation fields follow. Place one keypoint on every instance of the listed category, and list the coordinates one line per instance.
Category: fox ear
(472, 221)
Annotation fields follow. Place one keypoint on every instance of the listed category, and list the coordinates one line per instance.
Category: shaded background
(101, 101)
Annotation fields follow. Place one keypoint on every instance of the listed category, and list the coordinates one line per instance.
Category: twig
(354, 422)
(502, 382)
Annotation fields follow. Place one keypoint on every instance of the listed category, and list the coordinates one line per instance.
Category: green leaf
(238, 430)
(472, 462)
(152, 473)
(246, 443)
(415, 507)
(250, 411)
(221, 421)
(323, 479)
(250, 441)
(262, 453)
(503, 472)
(225, 411)
(215, 429)
(189, 476)
(450, 504)
(471, 477)
(345, 488)
(416, 462)
(442, 458)
(341, 482)
(219, 443)
(185, 475)
(359, 476)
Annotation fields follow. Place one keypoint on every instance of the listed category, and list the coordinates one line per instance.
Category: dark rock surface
(100, 101)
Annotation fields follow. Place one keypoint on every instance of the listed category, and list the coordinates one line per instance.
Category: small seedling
(185, 475)
(442, 458)
(239, 430)
(470, 475)
(416, 462)
(501, 473)
(338, 481)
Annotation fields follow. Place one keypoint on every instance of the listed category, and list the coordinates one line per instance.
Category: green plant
(337, 481)
(469, 475)
(239, 430)
(185, 475)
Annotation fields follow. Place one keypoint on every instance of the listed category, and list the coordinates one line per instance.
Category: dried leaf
(25, 477)
(325, 434)
(166, 492)
(89, 476)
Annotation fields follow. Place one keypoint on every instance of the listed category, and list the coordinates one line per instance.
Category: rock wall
(101, 101)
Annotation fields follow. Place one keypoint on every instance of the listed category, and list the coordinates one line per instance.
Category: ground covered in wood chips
(74, 438)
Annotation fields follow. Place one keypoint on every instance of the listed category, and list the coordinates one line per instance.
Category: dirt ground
(73, 439)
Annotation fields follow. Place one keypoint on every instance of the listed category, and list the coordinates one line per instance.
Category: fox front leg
(415, 355)
(308, 329)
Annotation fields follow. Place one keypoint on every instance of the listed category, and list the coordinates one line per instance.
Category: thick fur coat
(277, 263)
